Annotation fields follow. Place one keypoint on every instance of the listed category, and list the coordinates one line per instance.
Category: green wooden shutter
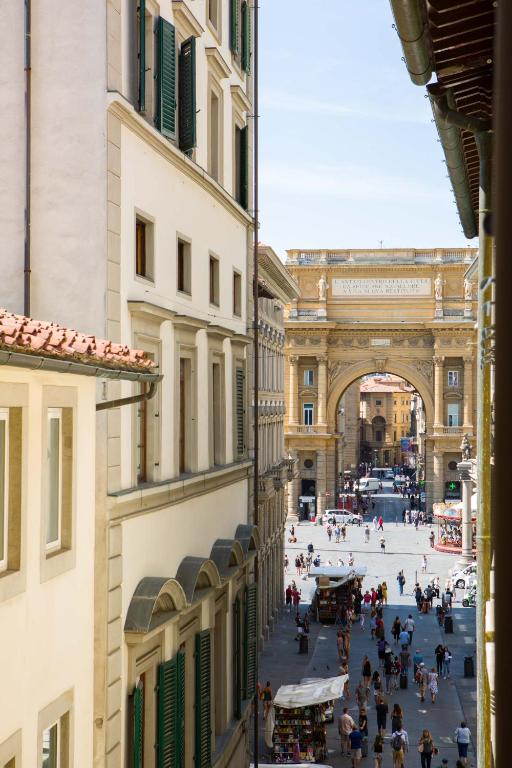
(203, 707)
(251, 639)
(166, 79)
(171, 713)
(244, 167)
(246, 37)
(240, 410)
(237, 661)
(187, 95)
(234, 27)
(142, 55)
(137, 726)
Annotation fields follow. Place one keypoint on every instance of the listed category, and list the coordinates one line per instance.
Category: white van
(369, 484)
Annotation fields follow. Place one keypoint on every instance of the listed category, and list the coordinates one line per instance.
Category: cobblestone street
(282, 664)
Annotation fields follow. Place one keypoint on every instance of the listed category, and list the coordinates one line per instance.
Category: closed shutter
(244, 167)
(166, 79)
(246, 37)
(142, 55)
(203, 710)
(136, 708)
(234, 27)
(171, 699)
(240, 411)
(187, 95)
(237, 661)
(251, 639)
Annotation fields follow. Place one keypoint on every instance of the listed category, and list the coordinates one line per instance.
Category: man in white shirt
(345, 724)
(409, 627)
(399, 745)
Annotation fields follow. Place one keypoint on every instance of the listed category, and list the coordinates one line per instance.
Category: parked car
(338, 516)
(465, 577)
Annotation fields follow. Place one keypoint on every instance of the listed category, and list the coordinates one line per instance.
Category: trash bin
(303, 644)
(448, 625)
(469, 666)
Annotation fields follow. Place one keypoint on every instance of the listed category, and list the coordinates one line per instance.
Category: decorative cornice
(216, 63)
(185, 19)
(240, 98)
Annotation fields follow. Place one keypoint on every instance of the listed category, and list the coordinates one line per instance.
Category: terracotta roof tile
(23, 334)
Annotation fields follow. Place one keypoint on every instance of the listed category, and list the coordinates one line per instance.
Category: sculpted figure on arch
(438, 287)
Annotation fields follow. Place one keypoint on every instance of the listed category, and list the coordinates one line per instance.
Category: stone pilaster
(293, 390)
(468, 393)
(464, 468)
(322, 391)
(438, 476)
(321, 469)
(438, 361)
(293, 492)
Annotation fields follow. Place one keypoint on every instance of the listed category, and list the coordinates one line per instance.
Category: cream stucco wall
(47, 638)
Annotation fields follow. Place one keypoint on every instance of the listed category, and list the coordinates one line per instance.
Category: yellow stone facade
(408, 312)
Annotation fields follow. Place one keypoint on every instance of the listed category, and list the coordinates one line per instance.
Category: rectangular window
(184, 259)
(187, 95)
(308, 414)
(143, 248)
(4, 487)
(142, 438)
(394, 436)
(165, 119)
(214, 281)
(184, 414)
(453, 378)
(241, 166)
(453, 415)
(54, 478)
(214, 159)
(214, 14)
(55, 744)
(378, 402)
(378, 436)
(237, 294)
(240, 411)
(309, 377)
(217, 411)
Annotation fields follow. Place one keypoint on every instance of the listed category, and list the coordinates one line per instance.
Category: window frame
(310, 409)
(216, 29)
(4, 513)
(187, 243)
(149, 248)
(454, 375)
(215, 90)
(237, 284)
(215, 262)
(451, 416)
(311, 382)
(55, 544)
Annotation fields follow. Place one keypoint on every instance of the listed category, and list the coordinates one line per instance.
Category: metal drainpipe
(256, 367)
(104, 405)
(28, 156)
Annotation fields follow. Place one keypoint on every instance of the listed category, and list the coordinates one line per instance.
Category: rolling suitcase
(403, 681)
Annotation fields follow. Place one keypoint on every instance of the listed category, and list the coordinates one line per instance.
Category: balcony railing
(448, 430)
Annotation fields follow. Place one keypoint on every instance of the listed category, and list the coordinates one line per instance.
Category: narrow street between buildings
(282, 664)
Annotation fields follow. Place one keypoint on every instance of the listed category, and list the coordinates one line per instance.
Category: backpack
(397, 742)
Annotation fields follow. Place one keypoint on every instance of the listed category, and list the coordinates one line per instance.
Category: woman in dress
(432, 684)
(384, 593)
(396, 718)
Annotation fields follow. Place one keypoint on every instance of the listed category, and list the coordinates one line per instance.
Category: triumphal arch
(406, 312)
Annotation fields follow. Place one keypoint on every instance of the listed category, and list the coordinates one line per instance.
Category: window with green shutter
(251, 639)
(234, 26)
(246, 37)
(203, 752)
(240, 410)
(244, 168)
(237, 661)
(136, 709)
(141, 21)
(165, 119)
(187, 95)
(171, 713)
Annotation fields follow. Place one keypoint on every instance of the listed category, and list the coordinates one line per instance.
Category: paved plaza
(281, 663)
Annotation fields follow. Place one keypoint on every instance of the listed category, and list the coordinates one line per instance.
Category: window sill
(214, 304)
(184, 294)
(165, 493)
(144, 279)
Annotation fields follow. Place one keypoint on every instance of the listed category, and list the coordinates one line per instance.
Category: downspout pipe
(142, 397)
(28, 156)
(412, 29)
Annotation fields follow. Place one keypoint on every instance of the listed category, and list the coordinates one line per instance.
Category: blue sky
(349, 155)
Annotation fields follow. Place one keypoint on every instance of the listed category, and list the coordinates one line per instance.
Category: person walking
(340, 644)
(432, 539)
(396, 718)
(462, 738)
(374, 521)
(366, 534)
(297, 565)
(378, 746)
(381, 523)
(366, 671)
(350, 559)
(400, 746)
(356, 744)
(267, 699)
(377, 686)
(416, 661)
(381, 709)
(426, 748)
(383, 545)
(439, 653)
(286, 563)
(288, 597)
(424, 564)
(396, 629)
(362, 693)
(401, 581)
(384, 593)
(388, 670)
(329, 533)
(422, 676)
(409, 627)
(432, 684)
(337, 534)
(345, 724)
(447, 660)
(296, 600)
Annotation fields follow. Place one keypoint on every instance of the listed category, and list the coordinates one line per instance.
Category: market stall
(449, 526)
(335, 589)
(300, 718)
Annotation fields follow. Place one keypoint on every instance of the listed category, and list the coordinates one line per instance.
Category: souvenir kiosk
(300, 720)
(335, 586)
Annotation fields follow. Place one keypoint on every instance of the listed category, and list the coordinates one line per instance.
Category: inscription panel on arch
(381, 286)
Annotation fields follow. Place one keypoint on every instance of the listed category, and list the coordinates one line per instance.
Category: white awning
(339, 571)
(327, 689)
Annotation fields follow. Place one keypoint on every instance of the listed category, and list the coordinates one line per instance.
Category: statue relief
(438, 287)
(468, 290)
(322, 288)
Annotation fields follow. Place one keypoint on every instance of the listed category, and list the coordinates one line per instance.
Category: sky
(349, 155)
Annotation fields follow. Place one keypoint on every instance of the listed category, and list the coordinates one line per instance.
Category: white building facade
(140, 226)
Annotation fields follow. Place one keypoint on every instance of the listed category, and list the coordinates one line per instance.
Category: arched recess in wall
(351, 373)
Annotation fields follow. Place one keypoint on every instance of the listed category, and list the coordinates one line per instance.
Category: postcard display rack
(303, 726)
(330, 600)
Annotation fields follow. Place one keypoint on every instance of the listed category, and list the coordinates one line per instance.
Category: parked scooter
(469, 599)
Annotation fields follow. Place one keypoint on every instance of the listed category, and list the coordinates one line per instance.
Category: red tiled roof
(38, 337)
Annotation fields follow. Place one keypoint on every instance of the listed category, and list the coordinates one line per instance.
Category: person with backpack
(399, 745)
(426, 748)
